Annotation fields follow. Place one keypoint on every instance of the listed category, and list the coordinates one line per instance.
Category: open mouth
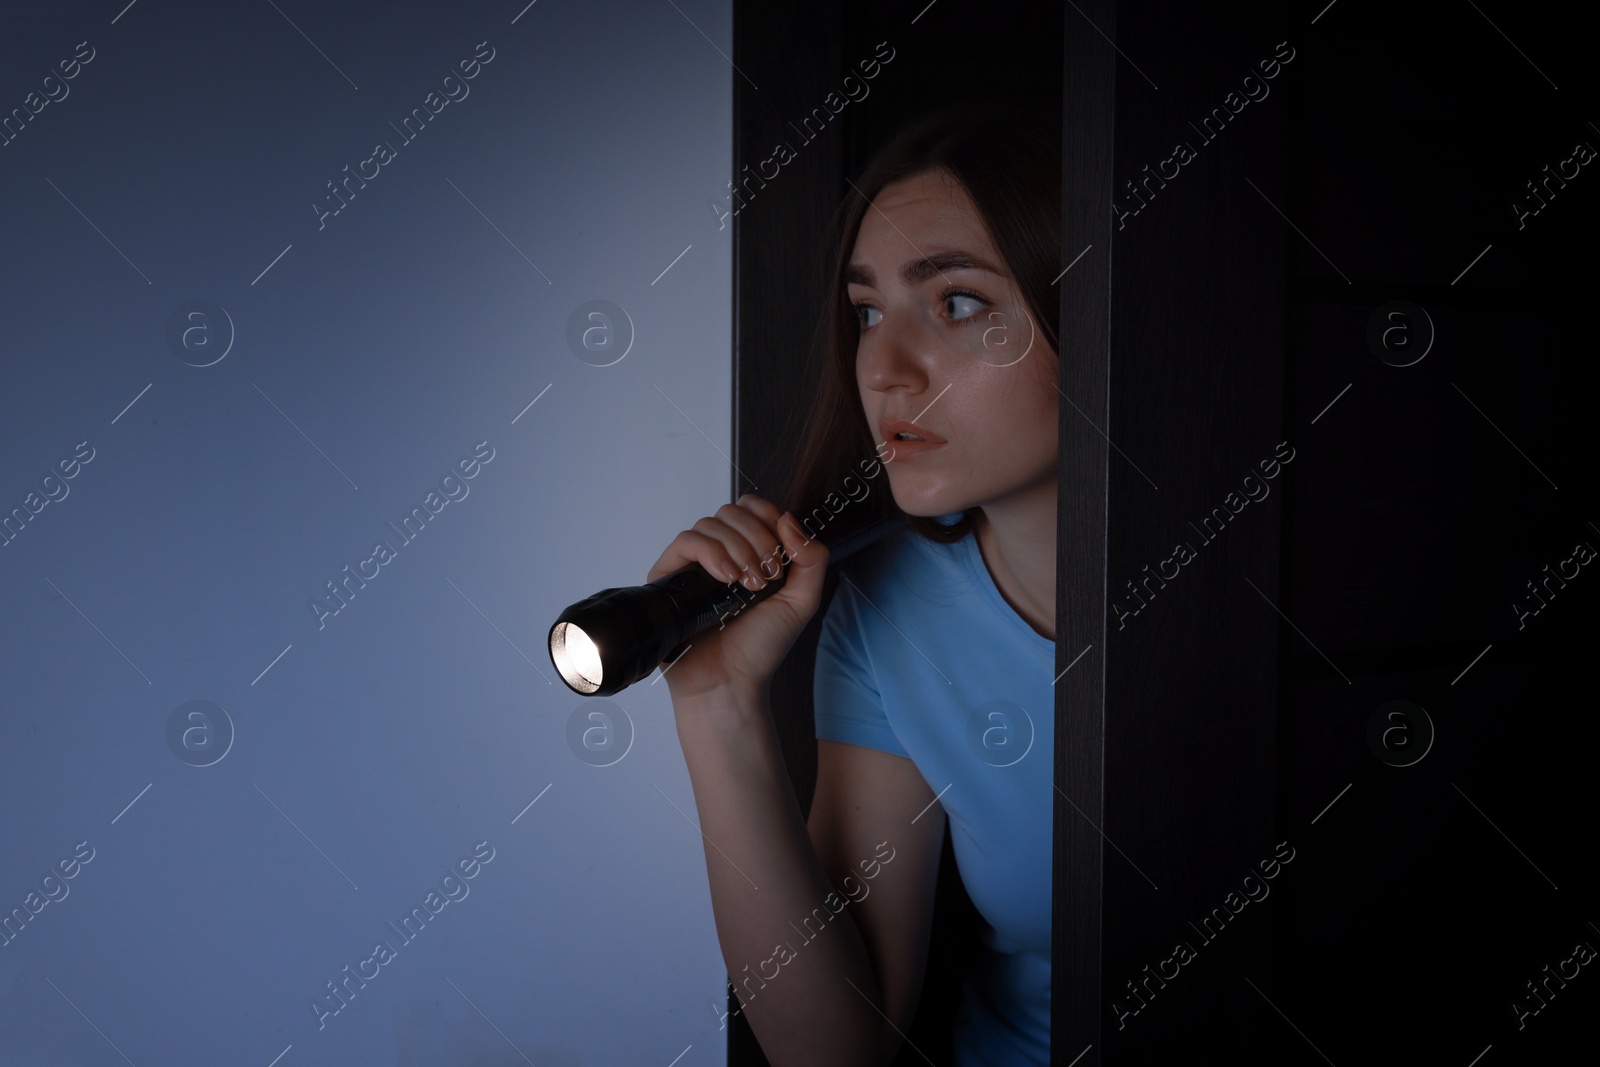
(904, 448)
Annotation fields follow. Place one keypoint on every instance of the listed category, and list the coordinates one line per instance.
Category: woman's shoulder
(902, 564)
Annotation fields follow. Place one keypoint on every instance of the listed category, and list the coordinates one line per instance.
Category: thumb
(808, 557)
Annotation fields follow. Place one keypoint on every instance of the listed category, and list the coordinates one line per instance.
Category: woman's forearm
(765, 880)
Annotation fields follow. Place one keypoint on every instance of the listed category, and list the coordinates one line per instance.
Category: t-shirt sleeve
(848, 706)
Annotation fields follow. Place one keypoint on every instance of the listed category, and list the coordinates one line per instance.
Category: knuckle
(758, 506)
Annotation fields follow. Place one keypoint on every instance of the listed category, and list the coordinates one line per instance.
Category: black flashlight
(606, 642)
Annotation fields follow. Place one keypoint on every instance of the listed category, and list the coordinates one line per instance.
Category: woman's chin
(922, 506)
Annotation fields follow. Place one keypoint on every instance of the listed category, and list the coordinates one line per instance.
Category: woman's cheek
(999, 337)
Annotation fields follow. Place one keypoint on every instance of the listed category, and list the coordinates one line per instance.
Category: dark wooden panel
(792, 53)
(1194, 406)
(1087, 129)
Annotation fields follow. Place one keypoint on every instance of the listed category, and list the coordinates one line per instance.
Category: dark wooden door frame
(1172, 371)
(1088, 124)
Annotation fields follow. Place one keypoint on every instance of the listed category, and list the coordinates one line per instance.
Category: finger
(757, 530)
(808, 553)
(764, 509)
(736, 546)
(669, 561)
(693, 546)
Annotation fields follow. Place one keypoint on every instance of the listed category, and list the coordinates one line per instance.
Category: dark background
(1421, 499)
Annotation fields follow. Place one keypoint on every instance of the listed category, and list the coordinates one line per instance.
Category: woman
(934, 668)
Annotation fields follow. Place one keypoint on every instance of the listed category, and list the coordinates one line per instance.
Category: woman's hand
(750, 537)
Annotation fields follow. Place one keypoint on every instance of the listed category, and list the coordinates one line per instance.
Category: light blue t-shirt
(920, 656)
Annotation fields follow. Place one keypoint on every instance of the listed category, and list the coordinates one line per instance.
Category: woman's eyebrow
(920, 270)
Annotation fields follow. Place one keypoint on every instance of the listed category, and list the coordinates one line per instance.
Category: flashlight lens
(576, 657)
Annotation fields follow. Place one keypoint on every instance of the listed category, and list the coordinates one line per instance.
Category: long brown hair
(1010, 165)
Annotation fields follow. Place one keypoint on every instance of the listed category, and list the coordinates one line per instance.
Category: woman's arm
(769, 873)
(866, 798)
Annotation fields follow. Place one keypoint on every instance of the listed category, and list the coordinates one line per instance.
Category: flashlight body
(635, 629)
(702, 600)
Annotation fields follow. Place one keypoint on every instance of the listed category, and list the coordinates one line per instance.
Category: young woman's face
(951, 348)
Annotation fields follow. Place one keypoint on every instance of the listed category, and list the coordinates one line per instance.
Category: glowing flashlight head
(577, 657)
(606, 642)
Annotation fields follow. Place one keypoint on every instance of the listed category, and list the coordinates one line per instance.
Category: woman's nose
(890, 356)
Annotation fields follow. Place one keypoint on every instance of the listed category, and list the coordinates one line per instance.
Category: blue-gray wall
(158, 213)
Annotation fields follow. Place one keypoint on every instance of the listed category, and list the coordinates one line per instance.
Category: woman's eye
(974, 301)
(958, 313)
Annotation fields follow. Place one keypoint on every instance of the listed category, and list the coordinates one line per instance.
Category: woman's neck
(1017, 539)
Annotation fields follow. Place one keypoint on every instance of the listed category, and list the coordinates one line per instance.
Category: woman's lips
(900, 451)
